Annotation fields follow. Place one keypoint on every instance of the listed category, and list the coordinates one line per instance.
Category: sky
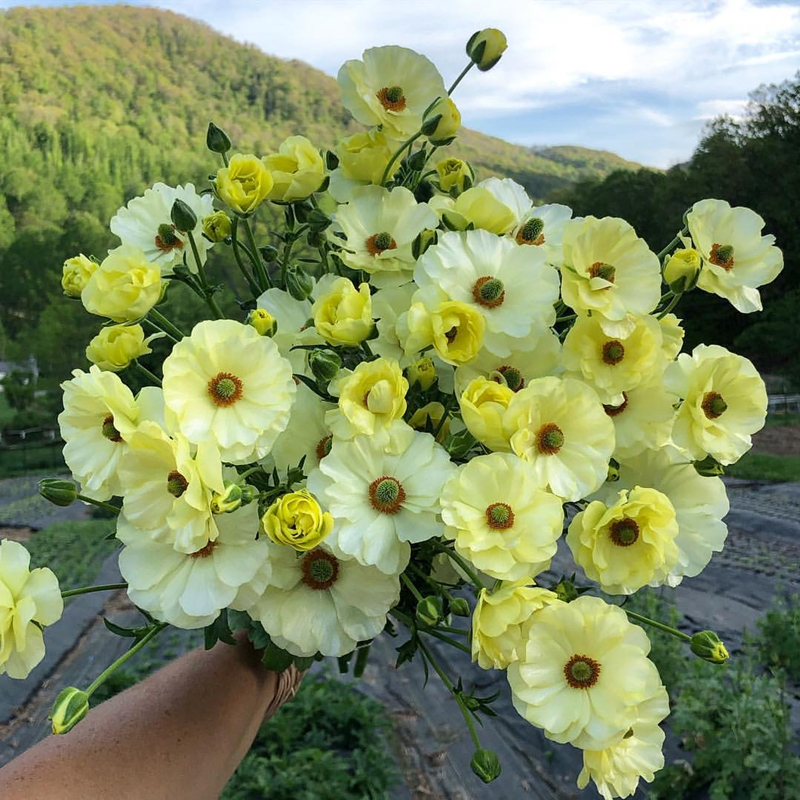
(638, 77)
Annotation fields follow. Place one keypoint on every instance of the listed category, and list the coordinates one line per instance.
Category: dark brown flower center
(204, 552)
(392, 98)
(601, 270)
(109, 431)
(549, 439)
(489, 292)
(176, 483)
(320, 569)
(713, 405)
(613, 352)
(225, 389)
(722, 256)
(451, 334)
(612, 411)
(531, 232)
(324, 446)
(379, 242)
(499, 516)
(386, 494)
(167, 239)
(582, 672)
(624, 532)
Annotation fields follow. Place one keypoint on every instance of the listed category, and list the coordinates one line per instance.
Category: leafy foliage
(778, 639)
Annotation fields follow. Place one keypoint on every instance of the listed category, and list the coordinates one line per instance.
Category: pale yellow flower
(483, 405)
(672, 335)
(642, 420)
(297, 170)
(116, 346)
(342, 314)
(683, 265)
(363, 158)
(476, 206)
(244, 184)
(296, 519)
(76, 273)
(449, 123)
(455, 175)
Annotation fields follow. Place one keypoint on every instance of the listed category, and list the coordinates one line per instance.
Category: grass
(762, 466)
(777, 419)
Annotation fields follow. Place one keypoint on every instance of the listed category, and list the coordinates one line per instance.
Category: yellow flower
(297, 170)
(614, 364)
(627, 545)
(117, 345)
(454, 174)
(485, 47)
(372, 396)
(244, 183)
(29, 599)
(124, 287)
(724, 403)
(428, 418)
(477, 206)
(217, 226)
(672, 335)
(643, 420)
(422, 372)
(76, 274)
(296, 519)
(447, 126)
(343, 314)
(683, 265)
(362, 160)
(500, 618)
(457, 331)
(262, 321)
(499, 517)
(483, 404)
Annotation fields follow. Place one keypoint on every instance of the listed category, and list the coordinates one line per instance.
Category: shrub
(778, 638)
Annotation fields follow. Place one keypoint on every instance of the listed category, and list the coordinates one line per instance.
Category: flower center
(166, 239)
(511, 375)
(379, 242)
(225, 389)
(581, 672)
(324, 446)
(713, 405)
(531, 232)
(613, 352)
(386, 494)
(176, 483)
(319, 569)
(499, 516)
(722, 256)
(204, 552)
(612, 411)
(392, 98)
(451, 334)
(624, 532)
(549, 439)
(489, 291)
(109, 431)
(602, 270)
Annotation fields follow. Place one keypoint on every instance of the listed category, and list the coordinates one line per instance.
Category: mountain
(99, 102)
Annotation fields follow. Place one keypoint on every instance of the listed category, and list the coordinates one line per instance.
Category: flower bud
(459, 606)
(709, 647)
(183, 218)
(422, 372)
(70, 707)
(299, 283)
(324, 364)
(217, 140)
(418, 160)
(443, 122)
(486, 765)
(424, 240)
(268, 252)
(248, 494)
(566, 591)
(262, 321)
(228, 501)
(430, 610)
(485, 47)
(297, 520)
(613, 471)
(76, 273)
(58, 492)
(709, 467)
(217, 226)
(318, 220)
(682, 269)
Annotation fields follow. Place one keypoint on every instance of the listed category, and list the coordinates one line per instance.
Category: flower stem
(159, 319)
(413, 589)
(677, 240)
(235, 244)
(258, 262)
(410, 624)
(407, 143)
(672, 304)
(460, 77)
(103, 587)
(98, 503)
(660, 625)
(208, 295)
(154, 379)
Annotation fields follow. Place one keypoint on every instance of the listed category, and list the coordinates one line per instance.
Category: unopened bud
(324, 364)
(248, 494)
(424, 240)
(709, 647)
(682, 269)
(183, 218)
(58, 492)
(70, 707)
(443, 123)
(486, 765)
(709, 467)
(268, 252)
(485, 47)
(566, 590)
(217, 140)
(262, 321)
(422, 372)
(228, 501)
(430, 610)
(217, 226)
(318, 220)
(299, 283)
(459, 606)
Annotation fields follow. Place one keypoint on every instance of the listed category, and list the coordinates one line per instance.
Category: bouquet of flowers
(427, 380)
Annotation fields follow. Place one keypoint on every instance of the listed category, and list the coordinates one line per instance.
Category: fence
(30, 450)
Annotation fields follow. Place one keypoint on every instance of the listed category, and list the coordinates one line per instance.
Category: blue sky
(638, 77)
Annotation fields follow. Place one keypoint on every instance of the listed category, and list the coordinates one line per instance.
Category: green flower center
(109, 431)
(581, 672)
(601, 270)
(722, 256)
(319, 569)
(386, 494)
(499, 516)
(392, 98)
(225, 389)
(549, 439)
(166, 238)
(531, 232)
(176, 483)
(624, 532)
(379, 242)
(613, 352)
(713, 405)
(512, 377)
(489, 291)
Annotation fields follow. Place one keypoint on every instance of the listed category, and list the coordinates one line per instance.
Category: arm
(180, 733)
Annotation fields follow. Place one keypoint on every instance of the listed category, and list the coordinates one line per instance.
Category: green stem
(236, 246)
(155, 380)
(448, 405)
(677, 240)
(671, 305)
(660, 625)
(411, 625)
(156, 629)
(460, 77)
(98, 503)
(208, 295)
(566, 318)
(362, 656)
(104, 587)
(165, 324)
(255, 256)
(463, 564)
(407, 143)
(413, 589)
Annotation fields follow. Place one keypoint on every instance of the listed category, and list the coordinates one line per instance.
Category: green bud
(429, 127)
(262, 321)
(228, 501)
(709, 647)
(486, 765)
(217, 140)
(566, 590)
(318, 220)
(183, 218)
(70, 707)
(486, 47)
(324, 364)
(60, 493)
(418, 159)
(268, 252)
(459, 606)
(709, 467)
(331, 160)
(248, 494)
(424, 240)
(430, 610)
(299, 283)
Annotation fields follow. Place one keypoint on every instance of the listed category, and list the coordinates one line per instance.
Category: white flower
(387, 307)
(544, 226)
(391, 87)
(724, 403)
(29, 599)
(737, 259)
(700, 503)
(227, 385)
(500, 519)
(189, 590)
(609, 271)
(643, 420)
(512, 286)
(321, 602)
(511, 195)
(379, 228)
(99, 416)
(146, 223)
(383, 492)
(561, 428)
